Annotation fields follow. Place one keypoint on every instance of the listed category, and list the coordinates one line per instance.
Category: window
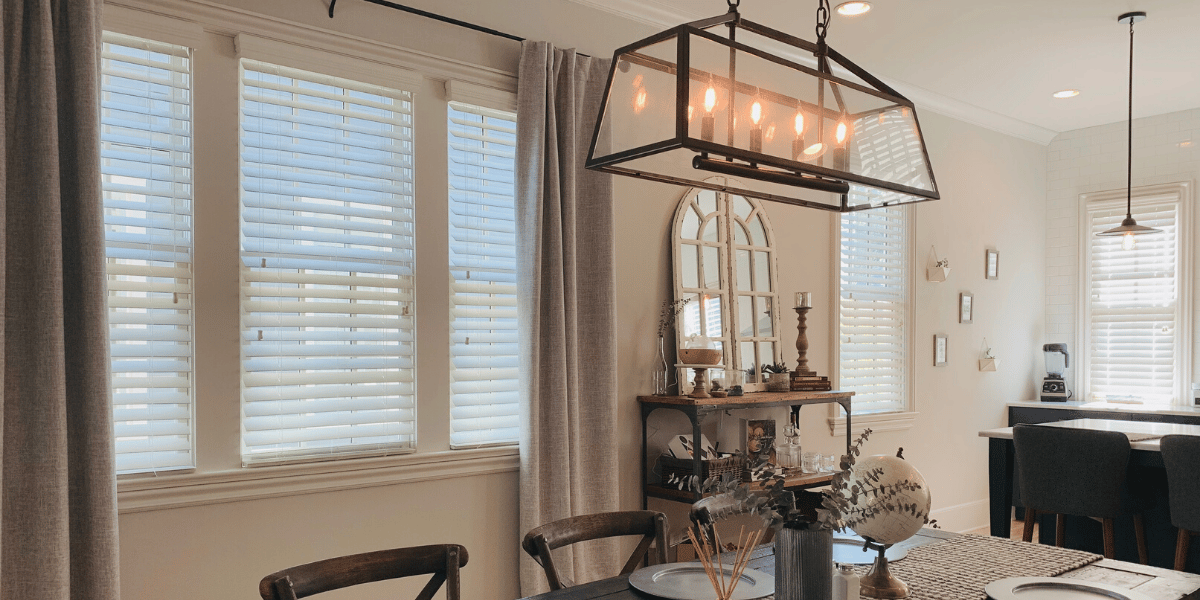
(327, 266)
(483, 277)
(1133, 340)
(146, 167)
(873, 311)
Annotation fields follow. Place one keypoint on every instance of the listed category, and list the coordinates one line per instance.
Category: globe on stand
(889, 503)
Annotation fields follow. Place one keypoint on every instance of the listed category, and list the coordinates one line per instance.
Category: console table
(697, 409)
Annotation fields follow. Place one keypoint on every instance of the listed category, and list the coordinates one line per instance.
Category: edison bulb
(639, 101)
(799, 123)
(842, 132)
(1127, 241)
(755, 112)
(710, 99)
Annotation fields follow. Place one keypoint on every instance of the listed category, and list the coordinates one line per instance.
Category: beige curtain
(566, 308)
(58, 528)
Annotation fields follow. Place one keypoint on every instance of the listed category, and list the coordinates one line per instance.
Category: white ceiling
(1004, 56)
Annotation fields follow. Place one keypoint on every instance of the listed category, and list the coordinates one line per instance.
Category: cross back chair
(442, 561)
(1181, 456)
(1077, 472)
(649, 524)
(707, 511)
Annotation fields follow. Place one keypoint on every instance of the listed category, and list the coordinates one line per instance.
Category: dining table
(1152, 582)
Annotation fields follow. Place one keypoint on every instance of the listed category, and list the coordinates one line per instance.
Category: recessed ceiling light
(851, 9)
(1066, 94)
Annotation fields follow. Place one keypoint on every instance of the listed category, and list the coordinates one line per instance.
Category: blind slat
(873, 296)
(483, 291)
(327, 254)
(146, 172)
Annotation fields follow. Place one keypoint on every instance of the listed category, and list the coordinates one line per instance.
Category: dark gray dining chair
(1181, 456)
(1078, 472)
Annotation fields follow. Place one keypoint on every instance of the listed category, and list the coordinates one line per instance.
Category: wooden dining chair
(1181, 456)
(649, 524)
(1077, 472)
(442, 561)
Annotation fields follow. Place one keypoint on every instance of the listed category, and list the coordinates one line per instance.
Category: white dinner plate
(1051, 588)
(687, 581)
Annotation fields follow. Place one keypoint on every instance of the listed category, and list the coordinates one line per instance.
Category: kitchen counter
(1111, 407)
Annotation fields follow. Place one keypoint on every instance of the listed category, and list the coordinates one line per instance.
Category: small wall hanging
(991, 263)
(988, 362)
(966, 305)
(940, 350)
(941, 268)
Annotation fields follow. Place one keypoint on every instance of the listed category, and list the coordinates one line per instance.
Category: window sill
(197, 489)
(887, 421)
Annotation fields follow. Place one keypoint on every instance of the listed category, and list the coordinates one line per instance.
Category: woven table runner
(959, 568)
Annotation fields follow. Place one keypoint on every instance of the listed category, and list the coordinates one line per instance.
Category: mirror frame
(727, 276)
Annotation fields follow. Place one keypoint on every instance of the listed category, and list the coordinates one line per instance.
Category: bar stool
(1181, 456)
(1076, 472)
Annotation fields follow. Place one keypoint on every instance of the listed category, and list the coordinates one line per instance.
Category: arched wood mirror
(725, 263)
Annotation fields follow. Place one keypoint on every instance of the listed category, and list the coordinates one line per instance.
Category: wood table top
(1163, 584)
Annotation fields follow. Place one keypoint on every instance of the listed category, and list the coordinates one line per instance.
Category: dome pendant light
(1129, 227)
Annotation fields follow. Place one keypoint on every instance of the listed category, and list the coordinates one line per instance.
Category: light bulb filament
(756, 112)
(799, 123)
(710, 99)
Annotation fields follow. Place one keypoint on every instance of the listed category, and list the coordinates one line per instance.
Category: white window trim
(891, 420)
(142, 494)
(198, 24)
(1184, 308)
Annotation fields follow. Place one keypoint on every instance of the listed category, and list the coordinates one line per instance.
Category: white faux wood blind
(146, 167)
(1133, 344)
(483, 277)
(873, 284)
(327, 266)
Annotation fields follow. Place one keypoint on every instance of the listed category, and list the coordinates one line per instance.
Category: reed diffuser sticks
(716, 573)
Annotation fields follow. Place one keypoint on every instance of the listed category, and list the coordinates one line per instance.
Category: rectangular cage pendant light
(687, 104)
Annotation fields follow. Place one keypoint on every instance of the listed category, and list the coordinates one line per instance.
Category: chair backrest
(442, 561)
(1072, 471)
(1181, 456)
(649, 524)
(707, 511)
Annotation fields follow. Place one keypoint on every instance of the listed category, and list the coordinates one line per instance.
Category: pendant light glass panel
(745, 109)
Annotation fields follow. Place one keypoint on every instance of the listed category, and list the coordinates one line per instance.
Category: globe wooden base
(879, 583)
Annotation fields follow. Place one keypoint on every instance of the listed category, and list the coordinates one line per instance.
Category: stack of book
(810, 383)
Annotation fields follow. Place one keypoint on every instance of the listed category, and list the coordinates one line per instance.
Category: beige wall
(993, 189)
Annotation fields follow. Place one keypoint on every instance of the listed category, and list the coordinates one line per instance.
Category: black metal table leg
(1000, 478)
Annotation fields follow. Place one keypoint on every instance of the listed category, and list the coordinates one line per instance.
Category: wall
(1166, 149)
(993, 188)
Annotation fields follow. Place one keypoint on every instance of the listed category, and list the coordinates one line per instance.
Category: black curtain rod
(436, 17)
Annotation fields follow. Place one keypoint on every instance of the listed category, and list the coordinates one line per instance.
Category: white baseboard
(969, 517)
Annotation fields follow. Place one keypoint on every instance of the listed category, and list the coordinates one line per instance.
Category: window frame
(1144, 195)
(901, 417)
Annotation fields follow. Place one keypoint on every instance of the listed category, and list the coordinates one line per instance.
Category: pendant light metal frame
(1129, 225)
(738, 162)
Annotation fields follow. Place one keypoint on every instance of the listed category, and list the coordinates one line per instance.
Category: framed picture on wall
(991, 263)
(940, 350)
(966, 301)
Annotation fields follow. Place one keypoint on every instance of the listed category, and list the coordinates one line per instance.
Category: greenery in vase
(666, 317)
(839, 510)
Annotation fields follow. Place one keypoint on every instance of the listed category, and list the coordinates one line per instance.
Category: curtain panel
(566, 308)
(58, 527)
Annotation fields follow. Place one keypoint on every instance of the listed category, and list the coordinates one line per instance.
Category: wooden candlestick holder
(802, 369)
(699, 383)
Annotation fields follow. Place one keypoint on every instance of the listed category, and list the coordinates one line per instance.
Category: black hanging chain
(733, 4)
(822, 20)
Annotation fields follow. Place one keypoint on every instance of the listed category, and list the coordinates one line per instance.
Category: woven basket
(676, 468)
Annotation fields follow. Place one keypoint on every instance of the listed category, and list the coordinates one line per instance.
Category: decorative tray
(687, 581)
(1052, 588)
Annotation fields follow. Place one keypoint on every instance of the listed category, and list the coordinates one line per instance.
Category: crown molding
(659, 14)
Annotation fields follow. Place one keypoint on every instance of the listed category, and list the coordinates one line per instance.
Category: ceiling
(1003, 56)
